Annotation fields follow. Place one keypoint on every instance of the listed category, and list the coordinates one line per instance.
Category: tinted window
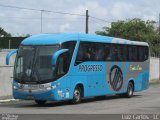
(114, 52)
(118, 52)
(65, 59)
(92, 51)
(132, 53)
(146, 53)
(107, 52)
(84, 52)
(99, 52)
(69, 45)
(123, 52)
(143, 53)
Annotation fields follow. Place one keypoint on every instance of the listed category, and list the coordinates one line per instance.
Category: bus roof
(48, 39)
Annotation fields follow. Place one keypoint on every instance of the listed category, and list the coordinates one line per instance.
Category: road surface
(146, 102)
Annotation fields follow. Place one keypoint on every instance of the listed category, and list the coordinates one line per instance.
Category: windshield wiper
(23, 77)
(35, 73)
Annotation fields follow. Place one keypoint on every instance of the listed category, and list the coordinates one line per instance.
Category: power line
(96, 22)
(38, 18)
(41, 10)
(57, 12)
(99, 19)
(30, 18)
(18, 7)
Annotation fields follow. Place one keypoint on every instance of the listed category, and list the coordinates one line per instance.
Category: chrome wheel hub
(77, 95)
(130, 90)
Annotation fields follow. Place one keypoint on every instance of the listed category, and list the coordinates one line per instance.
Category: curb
(8, 100)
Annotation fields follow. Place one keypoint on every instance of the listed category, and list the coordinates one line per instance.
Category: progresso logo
(90, 68)
(116, 78)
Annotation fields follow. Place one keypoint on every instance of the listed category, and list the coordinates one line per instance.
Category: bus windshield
(33, 64)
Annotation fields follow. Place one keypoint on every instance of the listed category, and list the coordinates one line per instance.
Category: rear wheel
(130, 90)
(40, 102)
(77, 96)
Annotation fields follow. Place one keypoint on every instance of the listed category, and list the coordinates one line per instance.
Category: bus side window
(60, 69)
(132, 53)
(66, 58)
(129, 53)
(135, 53)
(141, 53)
(63, 65)
(88, 55)
(99, 54)
(107, 52)
(122, 52)
(85, 52)
(146, 53)
(114, 52)
(82, 53)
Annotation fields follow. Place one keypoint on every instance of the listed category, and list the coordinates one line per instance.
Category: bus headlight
(48, 88)
(15, 87)
(55, 86)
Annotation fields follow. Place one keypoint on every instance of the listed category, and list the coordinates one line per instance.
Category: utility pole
(87, 21)
(9, 46)
(159, 25)
(42, 20)
(158, 43)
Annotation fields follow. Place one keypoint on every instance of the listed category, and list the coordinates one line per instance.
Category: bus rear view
(73, 66)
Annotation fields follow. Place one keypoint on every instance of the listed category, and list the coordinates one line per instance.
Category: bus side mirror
(57, 54)
(9, 55)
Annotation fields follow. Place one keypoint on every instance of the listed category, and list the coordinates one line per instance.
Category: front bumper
(48, 95)
(48, 92)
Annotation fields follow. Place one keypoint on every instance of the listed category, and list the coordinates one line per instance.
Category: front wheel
(77, 95)
(40, 102)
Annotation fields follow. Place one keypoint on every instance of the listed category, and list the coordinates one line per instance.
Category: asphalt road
(146, 102)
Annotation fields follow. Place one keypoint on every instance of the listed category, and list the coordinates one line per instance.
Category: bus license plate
(34, 86)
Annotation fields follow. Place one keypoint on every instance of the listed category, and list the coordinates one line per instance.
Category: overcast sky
(19, 21)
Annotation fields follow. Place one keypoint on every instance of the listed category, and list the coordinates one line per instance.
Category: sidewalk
(6, 97)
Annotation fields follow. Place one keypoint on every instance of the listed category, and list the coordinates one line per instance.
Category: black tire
(77, 95)
(40, 102)
(130, 90)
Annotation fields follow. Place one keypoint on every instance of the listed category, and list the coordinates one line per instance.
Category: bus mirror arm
(9, 55)
(56, 55)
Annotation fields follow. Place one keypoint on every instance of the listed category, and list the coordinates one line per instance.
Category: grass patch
(154, 82)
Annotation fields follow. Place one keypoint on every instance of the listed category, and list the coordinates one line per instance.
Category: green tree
(134, 29)
(3, 33)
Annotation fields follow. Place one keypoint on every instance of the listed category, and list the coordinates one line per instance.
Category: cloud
(26, 21)
(121, 9)
(128, 10)
(95, 10)
(64, 27)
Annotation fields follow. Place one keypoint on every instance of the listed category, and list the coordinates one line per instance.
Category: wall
(154, 68)
(6, 72)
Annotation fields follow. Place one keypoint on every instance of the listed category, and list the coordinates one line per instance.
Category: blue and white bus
(73, 66)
